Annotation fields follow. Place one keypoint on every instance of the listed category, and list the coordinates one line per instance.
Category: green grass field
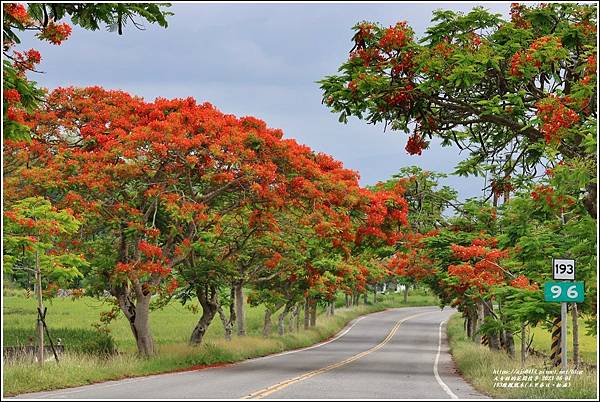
(171, 328)
(588, 345)
(476, 363)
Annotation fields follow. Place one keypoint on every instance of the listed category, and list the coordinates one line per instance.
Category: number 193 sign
(563, 292)
(563, 268)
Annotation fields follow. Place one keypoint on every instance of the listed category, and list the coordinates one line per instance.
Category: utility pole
(40, 324)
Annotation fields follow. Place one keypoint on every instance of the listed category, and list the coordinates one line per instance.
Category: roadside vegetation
(476, 363)
(172, 323)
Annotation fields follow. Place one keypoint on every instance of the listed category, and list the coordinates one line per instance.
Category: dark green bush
(89, 341)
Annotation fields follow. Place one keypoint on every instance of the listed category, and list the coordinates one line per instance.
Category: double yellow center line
(261, 393)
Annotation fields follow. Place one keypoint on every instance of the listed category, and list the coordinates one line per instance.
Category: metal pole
(563, 334)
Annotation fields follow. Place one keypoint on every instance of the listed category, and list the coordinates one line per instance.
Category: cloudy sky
(260, 60)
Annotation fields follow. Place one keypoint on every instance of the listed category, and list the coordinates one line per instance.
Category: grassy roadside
(173, 351)
(588, 345)
(476, 363)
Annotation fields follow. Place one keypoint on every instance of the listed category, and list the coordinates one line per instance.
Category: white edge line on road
(435, 367)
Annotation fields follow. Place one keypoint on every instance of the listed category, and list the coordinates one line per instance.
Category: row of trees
(520, 97)
(180, 200)
(174, 199)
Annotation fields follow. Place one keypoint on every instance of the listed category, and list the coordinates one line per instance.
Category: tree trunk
(298, 307)
(227, 322)
(509, 344)
(523, 344)
(366, 297)
(405, 293)
(478, 322)
(313, 313)
(207, 296)
(473, 326)
(375, 295)
(347, 301)
(332, 309)
(281, 319)
(145, 343)
(239, 308)
(267, 324)
(493, 338)
(306, 314)
(590, 200)
(575, 335)
(137, 315)
(293, 317)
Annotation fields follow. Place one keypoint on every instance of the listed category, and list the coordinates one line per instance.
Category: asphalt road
(394, 354)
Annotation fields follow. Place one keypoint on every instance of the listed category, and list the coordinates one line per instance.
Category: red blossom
(12, 96)
(17, 12)
(415, 144)
(55, 33)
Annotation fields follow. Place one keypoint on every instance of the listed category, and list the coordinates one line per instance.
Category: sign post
(563, 334)
(563, 292)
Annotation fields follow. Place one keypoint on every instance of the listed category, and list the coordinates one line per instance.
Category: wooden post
(38, 292)
(575, 335)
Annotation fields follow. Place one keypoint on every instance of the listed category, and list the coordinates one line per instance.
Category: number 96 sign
(563, 292)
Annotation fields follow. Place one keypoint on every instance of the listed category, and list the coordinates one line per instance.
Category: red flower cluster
(273, 261)
(522, 282)
(396, 37)
(475, 40)
(555, 117)
(551, 199)
(17, 12)
(443, 49)
(150, 250)
(516, 16)
(12, 96)
(586, 28)
(55, 33)
(415, 144)
(532, 55)
(590, 70)
(26, 60)
(172, 286)
(401, 96)
(465, 253)
(499, 187)
(367, 55)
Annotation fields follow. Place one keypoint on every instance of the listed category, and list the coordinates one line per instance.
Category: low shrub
(77, 340)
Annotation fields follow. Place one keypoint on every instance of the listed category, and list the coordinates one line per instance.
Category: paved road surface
(394, 354)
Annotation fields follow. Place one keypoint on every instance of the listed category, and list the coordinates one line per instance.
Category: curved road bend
(394, 354)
